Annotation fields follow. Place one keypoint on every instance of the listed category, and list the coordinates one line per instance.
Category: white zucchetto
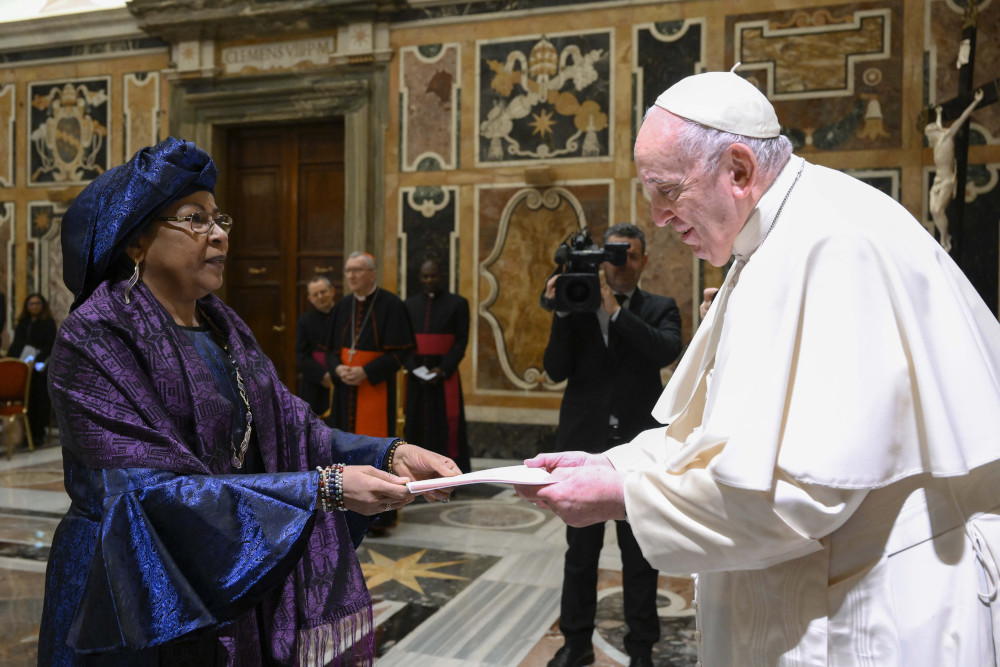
(724, 101)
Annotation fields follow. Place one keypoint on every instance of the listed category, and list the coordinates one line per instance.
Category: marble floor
(473, 582)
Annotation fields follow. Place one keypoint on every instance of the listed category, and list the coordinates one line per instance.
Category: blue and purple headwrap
(122, 201)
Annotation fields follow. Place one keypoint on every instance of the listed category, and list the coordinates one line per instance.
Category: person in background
(315, 382)
(828, 468)
(370, 338)
(207, 523)
(435, 413)
(611, 360)
(35, 329)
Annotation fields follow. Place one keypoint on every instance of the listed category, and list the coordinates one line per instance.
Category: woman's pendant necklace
(240, 452)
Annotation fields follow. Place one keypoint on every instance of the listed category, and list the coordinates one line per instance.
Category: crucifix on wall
(975, 248)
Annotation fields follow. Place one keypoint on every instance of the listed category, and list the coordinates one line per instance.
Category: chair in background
(15, 383)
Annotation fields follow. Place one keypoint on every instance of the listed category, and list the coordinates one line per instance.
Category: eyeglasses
(358, 270)
(201, 221)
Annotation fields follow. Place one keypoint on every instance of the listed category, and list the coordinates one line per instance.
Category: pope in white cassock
(829, 465)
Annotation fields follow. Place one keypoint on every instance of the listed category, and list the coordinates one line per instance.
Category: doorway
(285, 191)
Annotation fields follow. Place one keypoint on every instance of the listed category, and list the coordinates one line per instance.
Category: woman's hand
(418, 463)
(368, 490)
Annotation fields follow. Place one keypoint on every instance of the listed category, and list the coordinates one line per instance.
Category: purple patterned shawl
(131, 392)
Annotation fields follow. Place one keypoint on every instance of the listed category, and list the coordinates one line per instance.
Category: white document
(424, 373)
(506, 475)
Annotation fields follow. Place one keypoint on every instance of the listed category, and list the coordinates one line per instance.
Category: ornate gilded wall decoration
(429, 79)
(68, 139)
(664, 53)
(544, 97)
(834, 74)
(141, 102)
(8, 100)
(518, 232)
(428, 228)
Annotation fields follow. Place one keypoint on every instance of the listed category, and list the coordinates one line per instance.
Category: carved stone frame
(204, 109)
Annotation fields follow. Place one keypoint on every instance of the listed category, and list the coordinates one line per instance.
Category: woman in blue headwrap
(202, 529)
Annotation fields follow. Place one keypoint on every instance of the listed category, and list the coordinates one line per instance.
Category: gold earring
(132, 281)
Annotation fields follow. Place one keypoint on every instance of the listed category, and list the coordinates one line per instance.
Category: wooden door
(285, 191)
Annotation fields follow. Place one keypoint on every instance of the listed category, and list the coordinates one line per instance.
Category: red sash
(372, 405)
(438, 345)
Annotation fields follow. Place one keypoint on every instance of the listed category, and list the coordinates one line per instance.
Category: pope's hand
(587, 488)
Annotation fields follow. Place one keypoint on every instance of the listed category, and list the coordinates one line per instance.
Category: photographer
(611, 358)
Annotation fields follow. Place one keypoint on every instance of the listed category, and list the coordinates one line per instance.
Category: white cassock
(830, 473)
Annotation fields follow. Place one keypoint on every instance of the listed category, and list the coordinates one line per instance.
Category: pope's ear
(744, 168)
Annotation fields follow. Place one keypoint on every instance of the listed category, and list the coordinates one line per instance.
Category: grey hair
(319, 279)
(359, 253)
(706, 145)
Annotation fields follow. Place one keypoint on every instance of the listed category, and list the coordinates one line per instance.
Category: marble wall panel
(428, 229)
(44, 263)
(8, 111)
(519, 229)
(664, 53)
(942, 40)
(141, 111)
(885, 179)
(68, 138)
(430, 77)
(834, 73)
(545, 97)
(672, 269)
(7, 267)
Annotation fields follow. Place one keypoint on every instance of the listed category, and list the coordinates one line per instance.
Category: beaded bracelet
(331, 487)
(324, 488)
(392, 452)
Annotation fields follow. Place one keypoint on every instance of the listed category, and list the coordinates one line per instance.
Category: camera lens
(578, 291)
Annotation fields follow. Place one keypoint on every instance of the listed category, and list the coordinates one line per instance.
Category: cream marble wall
(847, 81)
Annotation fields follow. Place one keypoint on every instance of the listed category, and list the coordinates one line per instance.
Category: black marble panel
(488, 7)
(69, 121)
(427, 237)
(423, 580)
(664, 59)
(510, 441)
(544, 98)
(83, 50)
(977, 250)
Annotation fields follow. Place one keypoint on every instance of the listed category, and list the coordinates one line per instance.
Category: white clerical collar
(362, 298)
(762, 217)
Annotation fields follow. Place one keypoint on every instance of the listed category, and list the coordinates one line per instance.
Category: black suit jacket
(620, 378)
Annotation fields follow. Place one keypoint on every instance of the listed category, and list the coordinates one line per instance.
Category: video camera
(578, 289)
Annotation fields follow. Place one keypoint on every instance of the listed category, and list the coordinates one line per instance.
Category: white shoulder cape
(854, 353)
